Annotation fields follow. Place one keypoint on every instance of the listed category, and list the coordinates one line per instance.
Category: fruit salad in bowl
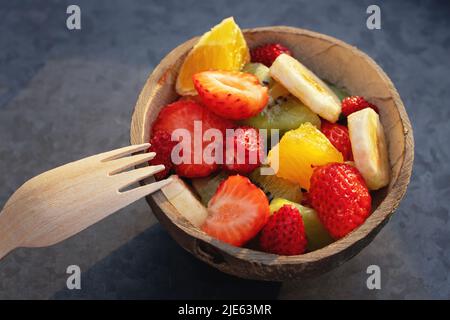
(266, 156)
(332, 150)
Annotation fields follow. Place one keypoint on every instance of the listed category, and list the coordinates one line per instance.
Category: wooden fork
(61, 202)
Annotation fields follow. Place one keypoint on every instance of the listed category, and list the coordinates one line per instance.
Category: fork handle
(7, 244)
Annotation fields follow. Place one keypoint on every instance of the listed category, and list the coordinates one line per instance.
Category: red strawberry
(266, 54)
(339, 138)
(237, 211)
(232, 95)
(284, 233)
(340, 196)
(181, 115)
(243, 153)
(162, 144)
(356, 103)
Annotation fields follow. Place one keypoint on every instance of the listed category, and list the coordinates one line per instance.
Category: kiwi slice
(316, 234)
(277, 91)
(276, 187)
(286, 113)
(260, 71)
(207, 187)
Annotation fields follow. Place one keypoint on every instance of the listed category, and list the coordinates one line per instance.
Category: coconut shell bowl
(334, 61)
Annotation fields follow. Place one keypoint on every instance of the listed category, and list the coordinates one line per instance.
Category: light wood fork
(61, 202)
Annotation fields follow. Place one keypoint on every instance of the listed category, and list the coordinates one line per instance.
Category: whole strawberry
(243, 150)
(339, 195)
(162, 144)
(356, 103)
(339, 138)
(266, 54)
(284, 233)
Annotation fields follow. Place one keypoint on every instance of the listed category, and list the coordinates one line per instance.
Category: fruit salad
(263, 151)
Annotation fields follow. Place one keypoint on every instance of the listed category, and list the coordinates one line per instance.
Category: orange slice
(222, 48)
(299, 151)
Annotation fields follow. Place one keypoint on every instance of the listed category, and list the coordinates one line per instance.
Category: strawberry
(266, 54)
(284, 233)
(339, 138)
(243, 153)
(340, 196)
(162, 144)
(356, 103)
(237, 211)
(231, 95)
(181, 115)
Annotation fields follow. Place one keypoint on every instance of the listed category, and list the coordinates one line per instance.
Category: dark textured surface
(65, 95)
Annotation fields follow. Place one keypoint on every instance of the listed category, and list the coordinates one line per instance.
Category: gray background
(65, 95)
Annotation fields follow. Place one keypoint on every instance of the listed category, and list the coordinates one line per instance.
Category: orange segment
(299, 151)
(222, 48)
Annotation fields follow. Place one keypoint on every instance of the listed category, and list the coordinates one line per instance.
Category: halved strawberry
(232, 95)
(237, 211)
(181, 115)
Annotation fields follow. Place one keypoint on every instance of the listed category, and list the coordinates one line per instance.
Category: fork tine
(121, 152)
(133, 176)
(140, 192)
(122, 164)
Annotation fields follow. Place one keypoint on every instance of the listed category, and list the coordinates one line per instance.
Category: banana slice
(306, 86)
(369, 147)
(179, 195)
